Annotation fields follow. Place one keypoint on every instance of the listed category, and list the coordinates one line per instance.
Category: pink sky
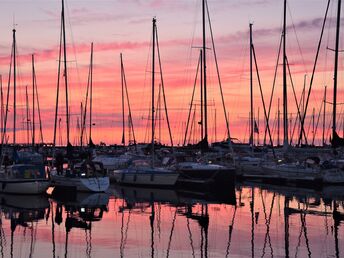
(125, 27)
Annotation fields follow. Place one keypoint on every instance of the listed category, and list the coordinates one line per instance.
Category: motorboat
(140, 172)
(86, 176)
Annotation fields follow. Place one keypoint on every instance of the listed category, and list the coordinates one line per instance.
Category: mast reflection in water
(252, 220)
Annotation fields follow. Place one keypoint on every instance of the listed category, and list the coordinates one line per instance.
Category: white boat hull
(37, 186)
(293, 173)
(90, 184)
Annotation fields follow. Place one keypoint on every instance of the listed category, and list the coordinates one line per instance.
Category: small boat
(141, 173)
(293, 172)
(249, 164)
(113, 162)
(23, 179)
(83, 177)
(204, 173)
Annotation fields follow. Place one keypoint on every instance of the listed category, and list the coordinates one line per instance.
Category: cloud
(80, 16)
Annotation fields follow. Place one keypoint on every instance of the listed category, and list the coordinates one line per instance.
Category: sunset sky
(124, 26)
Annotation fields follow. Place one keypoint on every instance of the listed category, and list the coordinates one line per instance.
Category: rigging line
(230, 231)
(274, 125)
(74, 51)
(192, 126)
(262, 97)
(303, 221)
(313, 72)
(58, 85)
(171, 233)
(39, 112)
(129, 109)
(187, 74)
(268, 221)
(273, 85)
(328, 128)
(297, 104)
(83, 119)
(317, 124)
(163, 87)
(299, 238)
(145, 84)
(219, 78)
(7, 103)
(122, 236)
(190, 237)
(157, 113)
(126, 232)
(192, 99)
(52, 228)
(297, 38)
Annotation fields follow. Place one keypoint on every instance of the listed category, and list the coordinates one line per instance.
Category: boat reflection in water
(252, 219)
(23, 214)
(81, 211)
(263, 220)
(188, 206)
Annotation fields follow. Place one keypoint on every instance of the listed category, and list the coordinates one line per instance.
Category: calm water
(252, 220)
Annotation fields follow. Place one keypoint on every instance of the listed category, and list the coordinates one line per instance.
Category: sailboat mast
(285, 98)
(278, 123)
(201, 91)
(153, 84)
(14, 86)
(27, 116)
(251, 90)
(65, 68)
(123, 116)
(324, 118)
(91, 92)
(33, 100)
(2, 106)
(335, 77)
(205, 75)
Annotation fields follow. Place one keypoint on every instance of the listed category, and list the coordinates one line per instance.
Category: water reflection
(23, 214)
(81, 210)
(252, 220)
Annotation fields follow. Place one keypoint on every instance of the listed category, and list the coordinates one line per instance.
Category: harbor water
(252, 220)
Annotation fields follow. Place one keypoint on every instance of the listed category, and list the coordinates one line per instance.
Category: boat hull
(91, 184)
(200, 175)
(333, 176)
(145, 177)
(34, 186)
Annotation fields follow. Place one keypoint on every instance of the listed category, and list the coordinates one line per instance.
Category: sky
(119, 26)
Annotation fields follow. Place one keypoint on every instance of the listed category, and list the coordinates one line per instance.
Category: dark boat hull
(221, 177)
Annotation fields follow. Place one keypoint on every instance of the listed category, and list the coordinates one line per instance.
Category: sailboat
(140, 172)
(23, 176)
(85, 176)
(111, 161)
(199, 173)
(335, 176)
